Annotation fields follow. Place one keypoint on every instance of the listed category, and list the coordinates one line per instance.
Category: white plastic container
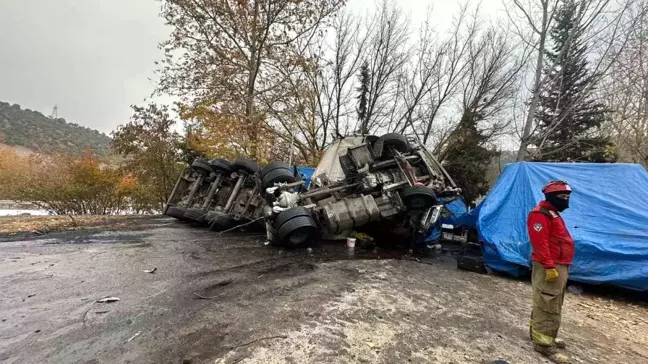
(351, 242)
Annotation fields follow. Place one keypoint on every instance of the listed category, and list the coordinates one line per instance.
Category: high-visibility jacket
(551, 242)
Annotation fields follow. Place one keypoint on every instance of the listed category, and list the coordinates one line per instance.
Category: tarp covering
(305, 173)
(608, 219)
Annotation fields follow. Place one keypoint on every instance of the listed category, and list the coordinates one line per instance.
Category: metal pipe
(235, 192)
(390, 162)
(195, 188)
(326, 191)
(213, 190)
(175, 189)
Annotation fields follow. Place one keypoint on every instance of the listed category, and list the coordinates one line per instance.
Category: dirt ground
(40, 225)
(230, 299)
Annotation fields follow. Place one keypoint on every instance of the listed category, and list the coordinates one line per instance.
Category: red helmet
(556, 186)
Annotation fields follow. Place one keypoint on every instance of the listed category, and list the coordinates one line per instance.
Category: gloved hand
(551, 275)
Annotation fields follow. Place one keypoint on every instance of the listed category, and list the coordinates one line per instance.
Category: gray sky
(94, 58)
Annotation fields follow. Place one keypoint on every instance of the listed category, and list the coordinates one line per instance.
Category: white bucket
(351, 242)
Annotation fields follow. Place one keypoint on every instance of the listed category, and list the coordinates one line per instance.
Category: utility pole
(54, 113)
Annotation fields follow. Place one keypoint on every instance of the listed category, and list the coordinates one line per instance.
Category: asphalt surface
(231, 299)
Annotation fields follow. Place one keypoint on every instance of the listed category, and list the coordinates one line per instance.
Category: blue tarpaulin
(608, 219)
(305, 173)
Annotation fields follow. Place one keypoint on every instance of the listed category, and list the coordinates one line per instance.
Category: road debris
(150, 270)
(257, 340)
(108, 300)
(134, 336)
(204, 297)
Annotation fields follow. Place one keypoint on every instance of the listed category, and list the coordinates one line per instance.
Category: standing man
(553, 252)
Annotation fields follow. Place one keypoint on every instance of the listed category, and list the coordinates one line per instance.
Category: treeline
(152, 157)
(557, 80)
(33, 130)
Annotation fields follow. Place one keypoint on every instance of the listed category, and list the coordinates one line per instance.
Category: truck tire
(298, 231)
(278, 175)
(221, 166)
(201, 165)
(272, 166)
(196, 215)
(418, 198)
(176, 211)
(245, 165)
(395, 140)
(219, 221)
(287, 215)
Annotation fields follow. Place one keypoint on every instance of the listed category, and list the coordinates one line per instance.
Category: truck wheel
(418, 198)
(287, 215)
(201, 165)
(221, 166)
(279, 175)
(176, 211)
(245, 165)
(272, 166)
(219, 221)
(395, 140)
(298, 231)
(194, 214)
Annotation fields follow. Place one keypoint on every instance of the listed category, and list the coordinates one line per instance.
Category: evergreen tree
(467, 158)
(363, 90)
(569, 118)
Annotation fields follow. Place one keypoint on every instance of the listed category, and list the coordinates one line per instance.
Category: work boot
(550, 353)
(560, 343)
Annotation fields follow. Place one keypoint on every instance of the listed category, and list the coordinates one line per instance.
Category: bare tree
(387, 52)
(536, 15)
(626, 92)
(605, 28)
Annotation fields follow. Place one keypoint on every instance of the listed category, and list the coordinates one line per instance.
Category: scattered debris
(151, 270)
(42, 231)
(134, 336)
(101, 312)
(31, 295)
(108, 300)
(257, 340)
(37, 331)
(204, 297)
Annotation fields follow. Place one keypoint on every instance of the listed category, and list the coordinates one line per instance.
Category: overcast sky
(94, 58)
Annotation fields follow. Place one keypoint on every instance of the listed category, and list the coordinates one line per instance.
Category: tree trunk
(524, 141)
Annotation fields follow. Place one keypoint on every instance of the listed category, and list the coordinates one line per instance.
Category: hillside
(33, 130)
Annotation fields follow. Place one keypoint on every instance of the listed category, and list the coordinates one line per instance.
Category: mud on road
(230, 299)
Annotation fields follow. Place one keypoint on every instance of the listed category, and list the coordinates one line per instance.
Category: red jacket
(550, 239)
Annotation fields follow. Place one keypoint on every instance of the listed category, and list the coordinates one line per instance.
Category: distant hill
(33, 130)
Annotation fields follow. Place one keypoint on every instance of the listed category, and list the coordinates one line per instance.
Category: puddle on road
(104, 237)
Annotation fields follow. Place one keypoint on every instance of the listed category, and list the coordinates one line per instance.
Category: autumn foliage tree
(152, 150)
(65, 184)
(223, 55)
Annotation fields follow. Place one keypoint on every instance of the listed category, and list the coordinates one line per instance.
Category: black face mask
(560, 204)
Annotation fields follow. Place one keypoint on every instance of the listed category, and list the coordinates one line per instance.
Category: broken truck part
(360, 181)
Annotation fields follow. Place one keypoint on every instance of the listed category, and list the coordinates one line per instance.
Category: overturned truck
(217, 193)
(362, 184)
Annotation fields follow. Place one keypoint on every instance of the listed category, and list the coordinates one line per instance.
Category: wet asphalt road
(228, 299)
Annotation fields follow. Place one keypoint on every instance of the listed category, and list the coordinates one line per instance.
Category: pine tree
(363, 89)
(467, 158)
(569, 118)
